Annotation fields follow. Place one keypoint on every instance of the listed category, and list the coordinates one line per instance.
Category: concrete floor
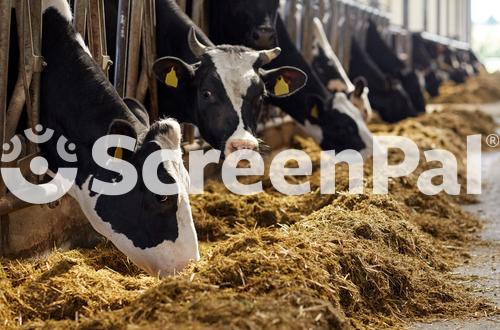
(483, 269)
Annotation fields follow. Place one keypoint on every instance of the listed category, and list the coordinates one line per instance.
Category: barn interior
(338, 261)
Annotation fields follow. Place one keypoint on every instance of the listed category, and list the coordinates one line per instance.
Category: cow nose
(240, 144)
(263, 37)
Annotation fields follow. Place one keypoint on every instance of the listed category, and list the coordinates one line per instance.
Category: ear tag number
(171, 79)
(315, 112)
(281, 88)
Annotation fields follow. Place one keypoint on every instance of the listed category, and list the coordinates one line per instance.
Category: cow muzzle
(240, 144)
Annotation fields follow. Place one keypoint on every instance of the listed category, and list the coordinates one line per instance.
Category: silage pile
(481, 89)
(271, 261)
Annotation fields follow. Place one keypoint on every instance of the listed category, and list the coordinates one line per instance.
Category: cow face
(227, 89)
(412, 86)
(252, 20)
(155, 231)
(392, 103)
(337, 125)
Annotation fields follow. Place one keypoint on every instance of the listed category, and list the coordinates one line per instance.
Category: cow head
(252, 20)
(392, 102)
(335, 124)
(227, 89)
(155, 231)
(412, 86)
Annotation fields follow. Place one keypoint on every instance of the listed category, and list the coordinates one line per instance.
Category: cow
(244, 22)
(329, 70)
(425, 65)
(220, 89)
(333, 121)
(330, 118)
(387, 96)
(387, 61)
(156, 232)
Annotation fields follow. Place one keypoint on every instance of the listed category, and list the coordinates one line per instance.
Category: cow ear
(173, 72)
(315, 108)
(121, 127)
(283, 82)
(359, 86)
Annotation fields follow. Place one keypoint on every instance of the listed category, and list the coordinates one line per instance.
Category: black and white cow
(245, 22)
(387, 96)
(156, 232)
(328, 68)
(425, 65)
(220, 89)
(386, 59)
(330, 118)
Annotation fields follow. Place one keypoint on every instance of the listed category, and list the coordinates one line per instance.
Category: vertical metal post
(149, 38)
(406, 12)
(438, 10)
(447, 15)
(426, 10)
(80, 17)
(97, 34)
(122, 32)
(136, 16)
(36, 29)
(5, 19)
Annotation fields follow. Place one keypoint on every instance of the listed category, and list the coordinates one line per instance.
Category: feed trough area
(269, 260)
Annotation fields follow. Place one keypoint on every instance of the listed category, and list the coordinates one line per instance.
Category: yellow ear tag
(118, 152)
(171, 79)
(281, 87)
(315, 112)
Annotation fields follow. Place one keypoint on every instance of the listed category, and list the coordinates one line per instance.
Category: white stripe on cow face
(237, 74)
(342, 104)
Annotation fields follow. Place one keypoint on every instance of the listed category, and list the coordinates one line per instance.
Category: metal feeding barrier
(136, 40)
(342, 19)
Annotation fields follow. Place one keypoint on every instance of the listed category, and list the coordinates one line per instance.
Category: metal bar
(426, 19)
(97, 34)
(136, 15)
(438, 9)
(199, 14)
(149, 39)
(122, 46)
(5, 20)
(80, 17)
(37, 66)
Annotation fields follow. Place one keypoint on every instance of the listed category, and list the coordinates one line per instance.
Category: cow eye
(207, 94)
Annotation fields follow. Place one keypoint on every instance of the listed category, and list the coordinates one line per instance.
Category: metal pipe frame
(122, 38)
(96, 24)
(136, 22)
(149, 46)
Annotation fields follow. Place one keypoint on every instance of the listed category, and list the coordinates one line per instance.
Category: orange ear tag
(281, 88)
(171, 79)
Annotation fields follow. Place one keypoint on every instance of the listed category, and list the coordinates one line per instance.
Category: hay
(273, 261)
(481, 89)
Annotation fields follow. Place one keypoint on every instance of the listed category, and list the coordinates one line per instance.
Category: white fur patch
(82, 43)
(237, 74)
(62, 6)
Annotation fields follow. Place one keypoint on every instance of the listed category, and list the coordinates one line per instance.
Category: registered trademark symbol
(493, 140)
